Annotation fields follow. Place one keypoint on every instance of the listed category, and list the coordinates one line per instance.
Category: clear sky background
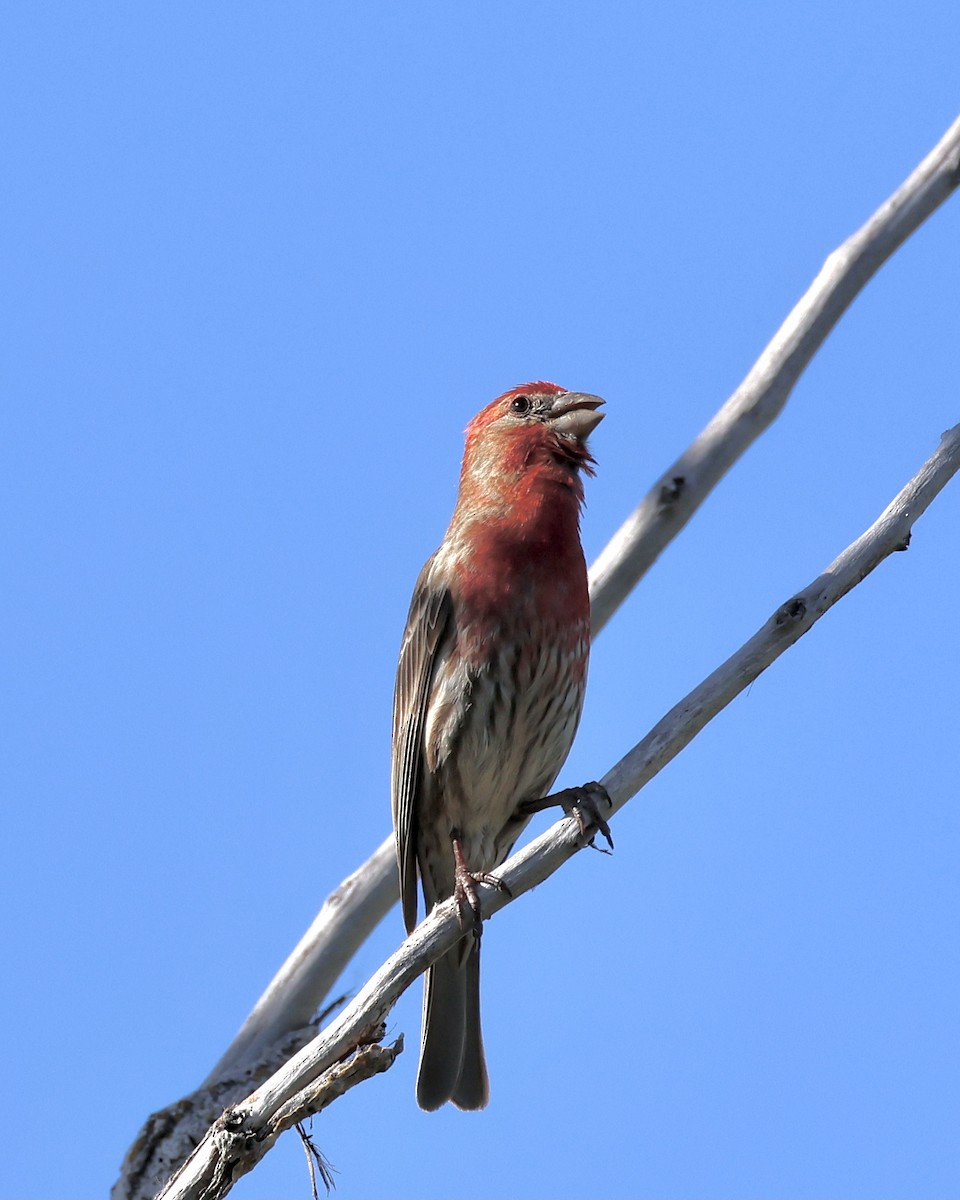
(261, 264)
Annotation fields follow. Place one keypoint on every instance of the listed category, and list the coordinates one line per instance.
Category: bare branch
(208, 1175)
(761, 397)
(348, 916)
(239, 1149)
(284, 1011)
(314, 965)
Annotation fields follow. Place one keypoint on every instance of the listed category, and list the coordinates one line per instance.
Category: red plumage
(489, 688)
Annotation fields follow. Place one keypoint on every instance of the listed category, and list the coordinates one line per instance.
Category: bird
(489, 691)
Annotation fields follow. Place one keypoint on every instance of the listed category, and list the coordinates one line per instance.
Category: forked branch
(208, 1173)
(283, 1017)
(352, 911)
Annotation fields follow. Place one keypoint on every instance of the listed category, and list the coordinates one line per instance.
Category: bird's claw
(465, 891)
(585, 808)
(583, 804)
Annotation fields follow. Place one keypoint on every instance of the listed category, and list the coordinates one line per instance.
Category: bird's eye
(520, 404)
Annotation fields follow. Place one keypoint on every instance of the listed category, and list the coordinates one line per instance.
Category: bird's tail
(452, 1065)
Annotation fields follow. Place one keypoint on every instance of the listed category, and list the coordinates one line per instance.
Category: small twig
(316, 1161)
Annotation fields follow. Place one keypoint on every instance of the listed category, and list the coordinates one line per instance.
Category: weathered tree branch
(238, 1149)
(210, 1170)
(680, 491)
(355, 908)
(349, 915)
(283, 1017)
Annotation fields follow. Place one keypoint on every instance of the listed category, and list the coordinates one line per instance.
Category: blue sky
(262, 263)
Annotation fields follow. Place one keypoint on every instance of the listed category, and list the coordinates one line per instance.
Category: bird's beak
(575, 414)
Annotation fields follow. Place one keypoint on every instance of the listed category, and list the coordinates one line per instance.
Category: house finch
(489, 691)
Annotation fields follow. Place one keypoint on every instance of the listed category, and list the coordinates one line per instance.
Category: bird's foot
(583, 804)
(465, 890)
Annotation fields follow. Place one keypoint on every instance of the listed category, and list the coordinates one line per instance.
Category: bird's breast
(502, 718)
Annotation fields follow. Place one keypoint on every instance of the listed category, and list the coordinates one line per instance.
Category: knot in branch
(671, 490)
(793, 610)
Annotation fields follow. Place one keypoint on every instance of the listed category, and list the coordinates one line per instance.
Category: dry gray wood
(239, 1149)
(761, 397)
(351, 911)
(347, 917)
(283, 1015)
(208, 1172)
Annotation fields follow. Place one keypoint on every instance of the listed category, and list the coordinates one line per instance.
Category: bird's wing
(426, 634)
